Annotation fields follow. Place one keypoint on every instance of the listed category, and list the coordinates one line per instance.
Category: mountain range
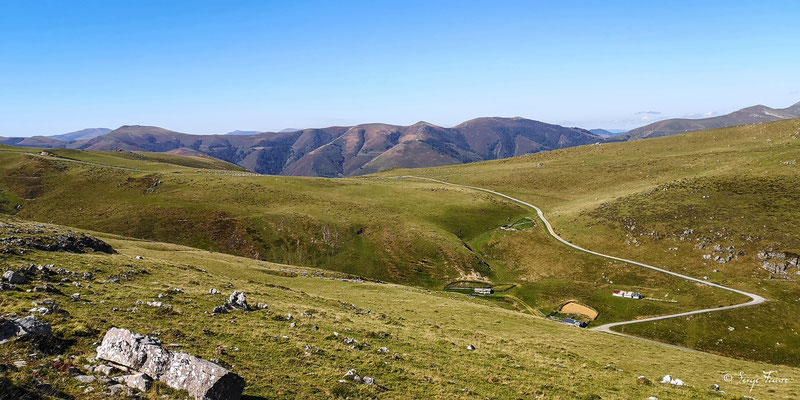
(343, 151)
(340, 151)
(746, 116)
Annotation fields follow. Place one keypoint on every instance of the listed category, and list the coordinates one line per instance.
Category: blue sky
(216, 66)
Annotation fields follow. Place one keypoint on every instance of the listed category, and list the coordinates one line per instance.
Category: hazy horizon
(211, 68)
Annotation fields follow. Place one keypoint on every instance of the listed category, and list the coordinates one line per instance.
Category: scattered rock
(76, 296)
(41, 310)
(667, 379)
(119, 390)
(14, 277)
(182, 371)
(69, 242)
(238, 300)
(470, 347)
(85, 378)
(213, 291)
(138, 381)
(30, 325)
(348, 340)
(104, 369)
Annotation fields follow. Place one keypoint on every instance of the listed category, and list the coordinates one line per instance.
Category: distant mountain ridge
(56, 141)
(238, 132)
(341, 151)
(89, 133)
(346, 150)
(745, 116)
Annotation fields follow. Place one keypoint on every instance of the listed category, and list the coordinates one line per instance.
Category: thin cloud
(648, 112)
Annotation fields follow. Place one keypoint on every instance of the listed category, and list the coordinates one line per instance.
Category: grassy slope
(517, 356)
(636, 199)
(410, 232)
(407, 233)
(161, 162)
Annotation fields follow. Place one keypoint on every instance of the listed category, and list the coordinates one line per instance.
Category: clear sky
(216, 66)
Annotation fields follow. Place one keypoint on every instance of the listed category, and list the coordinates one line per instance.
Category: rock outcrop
(14, 277)
(31, 329)
(69, 242)
(778, 262)
(238, 300)
(202, 379)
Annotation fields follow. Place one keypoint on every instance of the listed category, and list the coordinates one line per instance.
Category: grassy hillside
(425, 334)
(135, 159)
(651, 200)
(410, 232)
(669, 202)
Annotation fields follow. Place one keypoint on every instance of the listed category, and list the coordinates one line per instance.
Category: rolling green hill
(425, 334)
(410, 232)
(655, 201)
(670, 202)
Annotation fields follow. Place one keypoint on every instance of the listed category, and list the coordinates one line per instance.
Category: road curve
(754, 298)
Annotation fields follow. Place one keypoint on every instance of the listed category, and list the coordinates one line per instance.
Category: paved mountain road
(754, 298)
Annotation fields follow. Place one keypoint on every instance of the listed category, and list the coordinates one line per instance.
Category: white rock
(105, 369)
(84, 378)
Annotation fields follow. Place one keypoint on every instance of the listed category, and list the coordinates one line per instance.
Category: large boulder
(33, 326)
(31, 329)
(8, 330)
(14, 277)
(202, 379)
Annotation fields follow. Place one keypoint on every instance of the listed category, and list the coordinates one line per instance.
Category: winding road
(754, 298)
